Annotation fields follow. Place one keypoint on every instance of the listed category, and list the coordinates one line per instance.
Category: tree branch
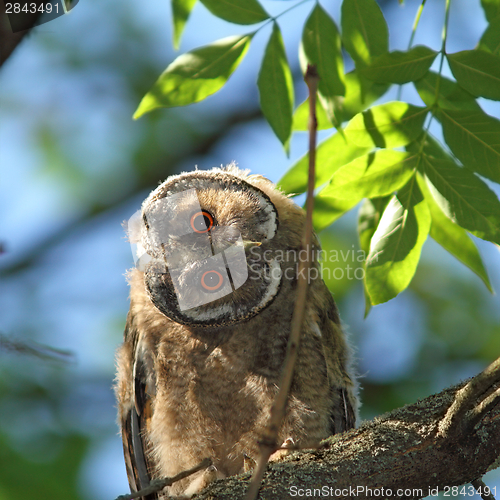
(467, 397)
(159, 484)
(402, 450)
(269, 442)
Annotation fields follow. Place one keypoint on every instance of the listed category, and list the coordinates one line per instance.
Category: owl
(211, 302)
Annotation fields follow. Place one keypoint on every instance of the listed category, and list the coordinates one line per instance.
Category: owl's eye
(211, 281)
(202, 222)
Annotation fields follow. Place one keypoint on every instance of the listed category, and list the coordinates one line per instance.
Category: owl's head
(205, 242)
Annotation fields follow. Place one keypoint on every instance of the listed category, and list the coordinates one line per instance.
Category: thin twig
(159, 484)
(465, 399)
(269, 444)
(481, 489)
(31, 348)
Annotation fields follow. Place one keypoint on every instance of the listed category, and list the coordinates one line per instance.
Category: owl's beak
(247, 244)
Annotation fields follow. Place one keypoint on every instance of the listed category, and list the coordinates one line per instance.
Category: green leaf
(477, 71)
(491, 9)
(373, 175)
(327, 210)
(453, 238)
(431, 147)
(387, 126)
(474, 138)
(276, 87)
(180, 14)
(237, 11)
(195, 75)
(400, 67)
(331, 154)
(321, 46)
(359, 94)
(364, 30)
(396, 244)
(490, 41)
(301, 117)
(451, 95)
(464, 198)
(369, 216)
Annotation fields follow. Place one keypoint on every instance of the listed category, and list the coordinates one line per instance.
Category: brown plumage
(199, 382)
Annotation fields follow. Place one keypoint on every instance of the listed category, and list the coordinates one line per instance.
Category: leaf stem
(275, 18)
(438, 81)
(412, 37)
(443, 49)
(415, 23)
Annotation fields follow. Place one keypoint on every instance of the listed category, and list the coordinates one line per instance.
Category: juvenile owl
(211, 303)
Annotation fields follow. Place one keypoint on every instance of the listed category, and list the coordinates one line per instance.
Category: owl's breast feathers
(186, 393)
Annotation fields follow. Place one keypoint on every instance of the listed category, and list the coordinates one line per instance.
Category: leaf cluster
(408, 183)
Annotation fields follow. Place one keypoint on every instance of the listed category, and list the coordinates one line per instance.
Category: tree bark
(405, 452)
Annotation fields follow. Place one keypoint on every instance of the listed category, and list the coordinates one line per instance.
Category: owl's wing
(336, 351)
(135, 422)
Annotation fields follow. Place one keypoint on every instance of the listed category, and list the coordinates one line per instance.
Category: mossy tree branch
(402, 450)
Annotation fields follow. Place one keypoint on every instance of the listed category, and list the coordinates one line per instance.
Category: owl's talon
(209, 475)
(248, 463)
(285, 449)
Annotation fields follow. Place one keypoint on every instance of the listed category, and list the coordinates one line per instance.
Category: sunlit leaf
(196, 74)
(373, 175)
(301, 117)
(477, 71)
(490, 41)
(359, 94)
(180, 14)
(321, 46)
(474, 138)
(369, 215)
(237, 11)
(327, 210)
(397, 243)
(464, 198)
(364, 30)
(276, 87)
(451, 95)
(331, 154)
(431, 147)
(453, 238)
(387, 126)
(400, 67)
(491, 9)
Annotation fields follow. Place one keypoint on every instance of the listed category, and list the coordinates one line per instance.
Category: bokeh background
(74, 166)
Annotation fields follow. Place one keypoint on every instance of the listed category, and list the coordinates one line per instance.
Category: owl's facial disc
(202, 239)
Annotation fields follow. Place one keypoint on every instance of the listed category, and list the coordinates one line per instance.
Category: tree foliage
(412, 184)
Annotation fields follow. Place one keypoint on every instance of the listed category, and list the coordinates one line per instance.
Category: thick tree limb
(402, 450)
